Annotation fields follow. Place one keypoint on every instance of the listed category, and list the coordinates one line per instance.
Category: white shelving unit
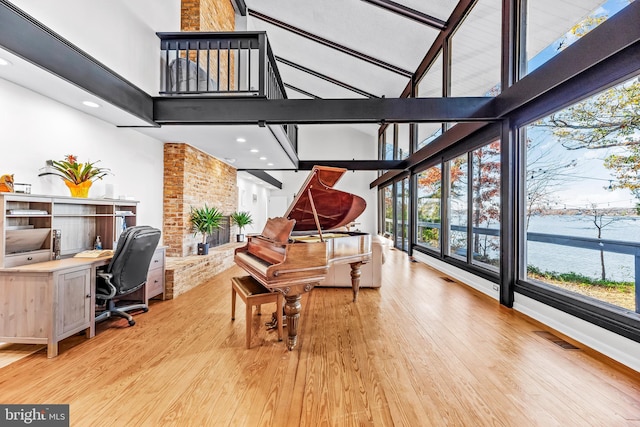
(28, 221)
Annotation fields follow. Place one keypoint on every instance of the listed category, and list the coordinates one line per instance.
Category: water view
(563, 259)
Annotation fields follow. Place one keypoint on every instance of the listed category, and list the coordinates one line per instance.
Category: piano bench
(253, 293)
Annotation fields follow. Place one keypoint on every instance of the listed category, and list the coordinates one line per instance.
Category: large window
(427, 132)
(389, 136)
(485, 217)
(552, 26)
(387, 200)
(458, 206)
(429, 209)
(430, 85)
(583, 196)
(402, 214)
(403, 142)
(475, 52)
(573, 199)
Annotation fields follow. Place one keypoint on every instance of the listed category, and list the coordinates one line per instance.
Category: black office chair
(127, 272)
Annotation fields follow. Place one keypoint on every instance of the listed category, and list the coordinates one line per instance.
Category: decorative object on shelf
(98, 243)
(204, 220)
(6, 183)
(241, 219)
(77, 176)
(20, 187)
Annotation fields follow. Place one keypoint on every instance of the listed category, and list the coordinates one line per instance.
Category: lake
(563, 259)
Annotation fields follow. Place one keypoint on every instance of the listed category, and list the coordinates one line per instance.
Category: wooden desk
(46, 302)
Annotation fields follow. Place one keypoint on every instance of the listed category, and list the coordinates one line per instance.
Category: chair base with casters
(112, 310)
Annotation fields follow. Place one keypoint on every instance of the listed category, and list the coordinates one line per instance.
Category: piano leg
(355, 278)
(292, 309)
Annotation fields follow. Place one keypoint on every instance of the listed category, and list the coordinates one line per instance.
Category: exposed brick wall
(190, 15)
(211, 15)
(217, 15)
(193, 178)
(208, 15)
(185, 273)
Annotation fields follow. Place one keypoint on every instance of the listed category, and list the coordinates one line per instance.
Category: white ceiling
(221, 141)
(356, 24)
(27, 75)
(378, 33)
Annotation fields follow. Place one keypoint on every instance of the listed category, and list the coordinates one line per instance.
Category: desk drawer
(155, 282)
(158, 260)
(27, 258)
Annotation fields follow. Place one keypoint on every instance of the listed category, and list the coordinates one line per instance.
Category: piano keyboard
(254, 262)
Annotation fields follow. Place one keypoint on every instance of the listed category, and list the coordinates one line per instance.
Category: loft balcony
(238, 65)
(219, 64)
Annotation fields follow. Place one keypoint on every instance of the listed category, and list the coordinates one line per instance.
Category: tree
(545, 173)
(601, 219)
(626, 169)
(429, 210)
(388, 210)
(486, 195)
(608, 120)
(430, 187)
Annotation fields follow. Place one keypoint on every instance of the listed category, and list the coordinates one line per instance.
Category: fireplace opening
(220, 236)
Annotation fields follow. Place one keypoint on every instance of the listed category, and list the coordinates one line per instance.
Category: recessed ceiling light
(269, 164)
(91, 104)
(263, 158)
(230, 160)
(254, 150)
(4, 62)
(241, 140)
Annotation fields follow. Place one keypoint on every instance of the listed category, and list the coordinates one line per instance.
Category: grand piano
(294, 252)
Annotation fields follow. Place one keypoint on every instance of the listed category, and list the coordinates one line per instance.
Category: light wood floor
(420, 351)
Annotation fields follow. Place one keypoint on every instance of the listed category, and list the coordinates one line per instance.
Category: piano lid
(335, 208)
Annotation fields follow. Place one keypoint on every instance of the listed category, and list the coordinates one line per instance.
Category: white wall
(336, 142)
(121, 35)
(606, 342)
(35, 129)
(254, 199)
(118, 33)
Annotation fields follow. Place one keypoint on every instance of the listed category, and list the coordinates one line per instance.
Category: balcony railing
(219, 64)
(604, 245)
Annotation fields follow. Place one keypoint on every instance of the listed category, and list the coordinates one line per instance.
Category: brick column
(211, 15)
(193, 178)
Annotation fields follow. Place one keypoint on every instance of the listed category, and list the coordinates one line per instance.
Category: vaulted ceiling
(363, 45)
(338, 49)
(332, 49)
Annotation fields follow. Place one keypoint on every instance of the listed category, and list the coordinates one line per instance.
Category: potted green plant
(78, 177)
(204, 220)
(241, 219)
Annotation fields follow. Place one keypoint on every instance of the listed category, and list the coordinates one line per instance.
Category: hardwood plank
(417, 351)
(10, 353)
